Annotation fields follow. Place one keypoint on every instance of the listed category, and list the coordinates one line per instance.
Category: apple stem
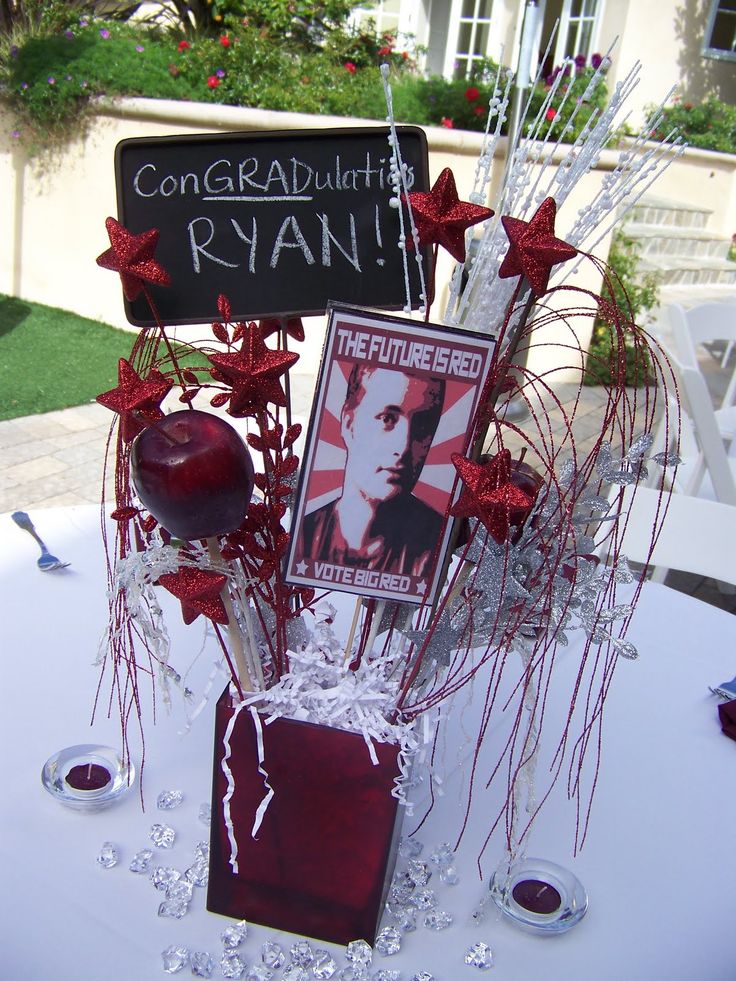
(236, 641)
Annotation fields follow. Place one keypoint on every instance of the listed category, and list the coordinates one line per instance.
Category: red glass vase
(322, 859)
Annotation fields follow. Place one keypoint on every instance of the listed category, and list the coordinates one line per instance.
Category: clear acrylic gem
(302, 953)
(175, 908)
(480, 956)
(437, 919)
(422, 976)
(424, 899)
(272, 955)
(181, 889)
(295, 972)
(141, 861)
(198, 874)
(405, 916)
(324, 965)
(201, 963)
(202, 852)
(232, 965)
(162, 836)
(175, 958)
(163, 876)
(384, 975)
(448, 875)
(169, 799)
(410, 848)
(259, 972)
(442, 855)
(354, 972)
(205, 814)
(418, 872)
(233, 936)
(358, 952)
(108, 856)
(400, 893)
(388, 941)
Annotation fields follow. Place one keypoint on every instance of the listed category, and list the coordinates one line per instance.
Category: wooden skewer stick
(353, 626)
(377, 617)
(236, 641)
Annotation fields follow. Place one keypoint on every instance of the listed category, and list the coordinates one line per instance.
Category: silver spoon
(47, 562)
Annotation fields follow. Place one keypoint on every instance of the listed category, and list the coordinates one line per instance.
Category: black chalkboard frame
(192, 300)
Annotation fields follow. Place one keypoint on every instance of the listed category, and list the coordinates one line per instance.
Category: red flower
(184, 45)
(213, 81)
(472, 93)
(405, 55)
(447, 123)
(551, 114)
(479, 111)
(385, 50)
(350, 67)
(225, 41)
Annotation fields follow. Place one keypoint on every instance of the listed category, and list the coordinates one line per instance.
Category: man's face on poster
(388, 427)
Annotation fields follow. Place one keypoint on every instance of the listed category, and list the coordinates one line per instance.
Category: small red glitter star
(136, 400)
(294, 327)
(442, 217)
(198, 590)
(132, 257)
(253, 373)
(489, 493)
(533, 248)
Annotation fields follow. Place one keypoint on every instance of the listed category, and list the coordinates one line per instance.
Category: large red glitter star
(294, 327)
(253, 373)
(136, 400)
(442, 217)
(489, 493)
(198, 590)
(533, 248)
(132, 257)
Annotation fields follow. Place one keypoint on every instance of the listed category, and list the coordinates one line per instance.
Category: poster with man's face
(395, 399)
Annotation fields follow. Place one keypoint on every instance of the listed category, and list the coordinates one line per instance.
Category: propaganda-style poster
(395, 399)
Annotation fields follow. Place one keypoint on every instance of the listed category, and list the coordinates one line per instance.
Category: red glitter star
(489, 493)
(198, 590)
(294, 327)
(136, 400)
(442, 217)
(253, 373)
(533, 248)
(132, 257)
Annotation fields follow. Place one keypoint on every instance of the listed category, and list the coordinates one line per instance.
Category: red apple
(194, 474)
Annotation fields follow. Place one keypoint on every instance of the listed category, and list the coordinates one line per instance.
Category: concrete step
(652, 210)
(676, 271)
(685, 242)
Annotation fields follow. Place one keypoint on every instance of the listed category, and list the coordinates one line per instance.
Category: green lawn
(52, 359)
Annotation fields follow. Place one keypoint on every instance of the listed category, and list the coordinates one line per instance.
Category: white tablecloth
(658, 863)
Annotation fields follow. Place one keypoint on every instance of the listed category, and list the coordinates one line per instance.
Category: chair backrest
(696, 536)
(704, 324)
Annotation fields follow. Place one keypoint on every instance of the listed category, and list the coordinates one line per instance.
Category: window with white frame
(577, 33)
(474, 28)
(383, 13)
(720, 33)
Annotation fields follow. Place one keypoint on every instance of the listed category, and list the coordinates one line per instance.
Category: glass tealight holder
(539, 896)
(87, 777)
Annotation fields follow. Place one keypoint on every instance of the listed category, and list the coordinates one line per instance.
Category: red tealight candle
(536, 896)
(88, 776)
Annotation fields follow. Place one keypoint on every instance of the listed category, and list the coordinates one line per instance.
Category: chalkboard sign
(280, 222)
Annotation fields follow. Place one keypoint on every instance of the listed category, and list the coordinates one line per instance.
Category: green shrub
(630, 292)
(710, 125)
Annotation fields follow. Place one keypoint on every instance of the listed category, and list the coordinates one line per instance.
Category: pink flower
(447, 123)
(350, 67)
(213, 81)
(104, 33)
(225, 41)
(139, 48)
(472, 93)
(51, 80)
(184, 45)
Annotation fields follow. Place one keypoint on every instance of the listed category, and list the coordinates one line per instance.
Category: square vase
(322, 860)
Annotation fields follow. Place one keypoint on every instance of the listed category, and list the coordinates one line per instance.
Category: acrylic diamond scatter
(233, 936)
(295, 973)
(181, 889)
(354, 972)
(400, 893)
(480, 956)
(405, 916)
(419, 873)
(388, 941)
(169, 799)
(384, 975)
(175, 958)
(410, 848)
(198, 874)
(301, 953)
(205, 814)
(163, 876)
(422, 976)
(201, 963)
(232, 966)
(442, 855)
(175, 908)
(272, 955)
(141, 862)
(437, 919)
(108, 855)
(259, 972)
(448, 875)
(359, 953)
(324, 965)
(424, 899)
(162, 836)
